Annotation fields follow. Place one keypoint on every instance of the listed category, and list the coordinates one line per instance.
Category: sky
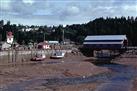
(64, 12)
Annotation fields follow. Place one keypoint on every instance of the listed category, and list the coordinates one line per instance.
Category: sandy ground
(70, 66)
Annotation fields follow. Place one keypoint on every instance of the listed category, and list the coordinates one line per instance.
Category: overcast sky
(55, 12)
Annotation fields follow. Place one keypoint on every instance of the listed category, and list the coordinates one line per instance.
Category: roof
(9, 34)
(106, 37)
(105, 40)
(53, 42)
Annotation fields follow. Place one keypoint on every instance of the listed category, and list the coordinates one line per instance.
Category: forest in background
(75, 32)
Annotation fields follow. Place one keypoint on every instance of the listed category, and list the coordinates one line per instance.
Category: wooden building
(105, 45)
(106, 42)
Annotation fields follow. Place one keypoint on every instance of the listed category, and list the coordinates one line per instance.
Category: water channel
(120, 79)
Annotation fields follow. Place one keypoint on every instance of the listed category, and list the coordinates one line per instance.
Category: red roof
(9, 33)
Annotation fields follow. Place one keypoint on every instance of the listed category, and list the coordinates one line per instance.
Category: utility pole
(44, 36)
(63, 36)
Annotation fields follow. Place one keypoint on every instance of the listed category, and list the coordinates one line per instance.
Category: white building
(4, 45)
(10, 38)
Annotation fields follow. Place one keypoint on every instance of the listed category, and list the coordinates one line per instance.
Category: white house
(10, 38)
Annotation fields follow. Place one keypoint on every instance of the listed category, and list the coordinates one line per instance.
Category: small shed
(105, 42)
(43, 45)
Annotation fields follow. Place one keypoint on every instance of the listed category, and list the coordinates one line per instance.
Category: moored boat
(58, 55)
(39, 57)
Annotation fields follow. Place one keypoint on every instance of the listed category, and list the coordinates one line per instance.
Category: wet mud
(119, 79)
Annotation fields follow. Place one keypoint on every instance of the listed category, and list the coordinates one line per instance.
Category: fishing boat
(39, 57)
(58, 55)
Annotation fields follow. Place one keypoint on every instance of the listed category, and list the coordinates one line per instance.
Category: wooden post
(8, 55)
(16, 55)
(12, 55)
(0, 56)
(31, 52)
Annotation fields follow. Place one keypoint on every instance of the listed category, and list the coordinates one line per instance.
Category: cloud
(130, 7)
(28, 1)
(23, 8)
(69, 12)
(73, 10)
(64, 12)
(5, 4)
(42, 12)
(112, 8)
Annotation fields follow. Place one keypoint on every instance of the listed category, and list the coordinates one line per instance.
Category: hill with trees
(75, 32)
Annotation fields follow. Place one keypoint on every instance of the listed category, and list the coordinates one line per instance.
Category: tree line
(75, 32)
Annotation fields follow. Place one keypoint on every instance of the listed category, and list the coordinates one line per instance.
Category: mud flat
(72, 72)
(134, 88)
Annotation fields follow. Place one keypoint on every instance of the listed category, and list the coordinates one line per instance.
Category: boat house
(112, 42)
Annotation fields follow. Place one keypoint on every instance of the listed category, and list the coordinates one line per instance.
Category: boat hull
(58, 56)
(37, 59)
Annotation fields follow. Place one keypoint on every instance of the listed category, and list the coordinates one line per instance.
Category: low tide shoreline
(71, 66)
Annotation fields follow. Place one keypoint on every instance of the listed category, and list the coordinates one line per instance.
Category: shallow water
(119, 80)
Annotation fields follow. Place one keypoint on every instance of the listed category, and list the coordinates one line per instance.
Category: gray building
(106, 41)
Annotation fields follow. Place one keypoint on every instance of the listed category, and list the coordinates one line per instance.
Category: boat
(58, 55)
(39, 57)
